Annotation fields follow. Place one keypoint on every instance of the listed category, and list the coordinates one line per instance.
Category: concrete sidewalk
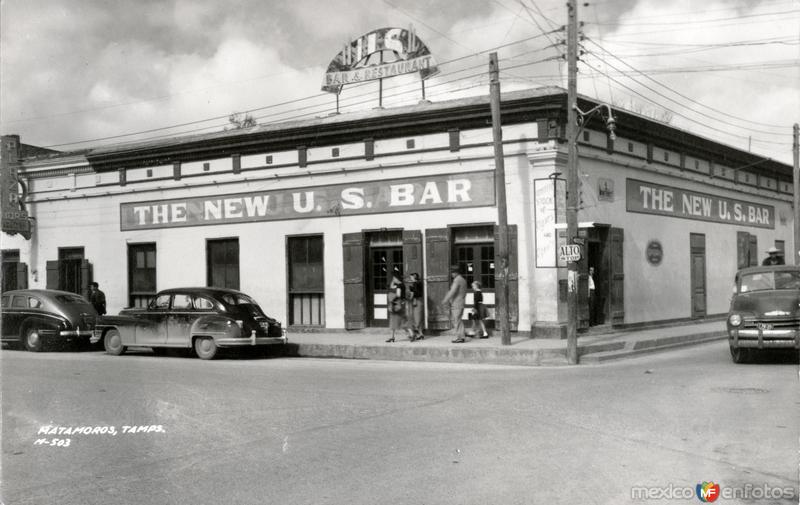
(592, 348)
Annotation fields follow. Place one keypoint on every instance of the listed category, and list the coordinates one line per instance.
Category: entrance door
(382, 262)
(697, 244)
(72, 270)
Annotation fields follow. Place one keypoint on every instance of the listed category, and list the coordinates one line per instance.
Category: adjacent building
(310, 217)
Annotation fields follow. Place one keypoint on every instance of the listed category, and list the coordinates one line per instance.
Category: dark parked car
(765, 311)
(40, 317)
(205, 319)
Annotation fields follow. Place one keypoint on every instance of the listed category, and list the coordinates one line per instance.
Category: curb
(632, 349)
(589, 354)
(488, 356)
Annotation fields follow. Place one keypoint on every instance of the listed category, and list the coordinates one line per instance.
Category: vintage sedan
(39, 318)
(765, 311)
(205, 319)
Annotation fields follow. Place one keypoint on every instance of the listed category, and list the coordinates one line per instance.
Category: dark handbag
(396, 306)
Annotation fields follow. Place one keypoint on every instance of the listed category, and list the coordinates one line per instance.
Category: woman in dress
(395, 299)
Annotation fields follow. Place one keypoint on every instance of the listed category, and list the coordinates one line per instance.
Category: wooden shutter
(742, 249)
(22, 276)
(86, 277)
(412, 252)
(616, 237)
(53, 274)
(583, 287)
(355, 313)
(437, 262)
(753, 251)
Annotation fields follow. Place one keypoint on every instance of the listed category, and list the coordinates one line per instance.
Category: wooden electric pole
(572, 178)
(501, 270)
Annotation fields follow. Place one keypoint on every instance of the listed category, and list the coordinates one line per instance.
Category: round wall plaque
(654, 252)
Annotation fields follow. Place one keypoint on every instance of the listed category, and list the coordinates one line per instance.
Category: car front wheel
(34, 342)
(740, 355)
(205, 348)
(113, 342)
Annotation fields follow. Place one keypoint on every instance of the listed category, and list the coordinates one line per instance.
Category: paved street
(311, 431)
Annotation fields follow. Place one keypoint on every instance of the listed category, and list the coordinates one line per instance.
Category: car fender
(46, 323)
(215, 325)
(126, 325)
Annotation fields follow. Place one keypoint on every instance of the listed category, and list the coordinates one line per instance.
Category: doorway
(603, 254)
(385, 256)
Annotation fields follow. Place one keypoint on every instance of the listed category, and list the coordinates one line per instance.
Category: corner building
(309, 216)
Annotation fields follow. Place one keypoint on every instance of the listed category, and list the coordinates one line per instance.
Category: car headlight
(735, 319)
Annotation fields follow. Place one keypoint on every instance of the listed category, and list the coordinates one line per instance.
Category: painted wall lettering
(470, 189)
(648, 198)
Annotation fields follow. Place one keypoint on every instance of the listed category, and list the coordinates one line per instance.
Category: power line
(215, 118)
(699, 21)
(684, 96)
(650, 100)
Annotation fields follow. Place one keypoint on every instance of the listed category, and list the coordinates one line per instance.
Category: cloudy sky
(82, 73)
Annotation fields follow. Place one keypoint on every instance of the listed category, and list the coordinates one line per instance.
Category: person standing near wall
(395, 304)
(774, 257)
(97, 298)
(456, 297)
(592, 299)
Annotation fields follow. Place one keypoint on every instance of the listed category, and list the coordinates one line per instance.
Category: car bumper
(765, 339)
(250, 341)
(76, 333)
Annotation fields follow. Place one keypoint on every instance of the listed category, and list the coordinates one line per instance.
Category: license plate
(764, 326)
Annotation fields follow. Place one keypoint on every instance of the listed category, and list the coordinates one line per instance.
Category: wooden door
(697, 243)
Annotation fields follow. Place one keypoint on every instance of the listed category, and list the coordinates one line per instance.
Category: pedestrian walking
(97, 298)
(395, 300)
(415, 307)
(478, 311)
(774, 258)
(456, 297)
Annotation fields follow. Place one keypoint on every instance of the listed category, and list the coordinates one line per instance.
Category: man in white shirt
(592, 308)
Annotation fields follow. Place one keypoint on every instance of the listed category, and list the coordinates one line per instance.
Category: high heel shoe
(390, 339)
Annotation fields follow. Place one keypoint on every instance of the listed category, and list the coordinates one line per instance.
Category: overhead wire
(685, 97)
(272, 106)
(691, 120)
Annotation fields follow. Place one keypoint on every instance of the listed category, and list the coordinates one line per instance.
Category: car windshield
(244, 302)
(768, 281)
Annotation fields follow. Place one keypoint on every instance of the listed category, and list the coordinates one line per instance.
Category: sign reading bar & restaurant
(649, 198)
(471, 189)
(386, 52)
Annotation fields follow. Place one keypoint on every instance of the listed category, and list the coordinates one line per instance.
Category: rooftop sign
(365, 58)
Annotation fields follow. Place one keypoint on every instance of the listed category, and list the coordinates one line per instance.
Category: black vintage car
(42, 317)
(205, 319)
(765, 311)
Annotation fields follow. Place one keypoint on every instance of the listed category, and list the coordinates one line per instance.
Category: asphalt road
(308, 431)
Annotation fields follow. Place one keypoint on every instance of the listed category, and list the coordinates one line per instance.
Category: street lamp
(576, 121)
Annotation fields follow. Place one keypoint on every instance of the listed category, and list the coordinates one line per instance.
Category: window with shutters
(473, 248)
(306, 281)
(141, 274)
(222, 257)
(747, 249)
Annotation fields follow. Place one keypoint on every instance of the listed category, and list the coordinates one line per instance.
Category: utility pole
(796, 185)
(572, 178)
(501, 272)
